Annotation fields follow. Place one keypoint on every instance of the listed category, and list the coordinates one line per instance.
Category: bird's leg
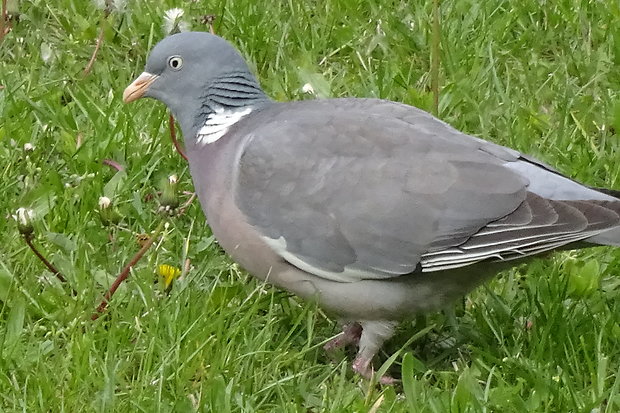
(374, 334)
(351, 333)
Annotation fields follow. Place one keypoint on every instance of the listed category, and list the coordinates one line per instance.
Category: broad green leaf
(62, 241)
(6, 282)
(15, 323)
(115, 184)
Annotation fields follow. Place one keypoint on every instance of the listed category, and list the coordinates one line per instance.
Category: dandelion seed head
(173, 21)
(104, 202)
(307, 88)
(24, 216)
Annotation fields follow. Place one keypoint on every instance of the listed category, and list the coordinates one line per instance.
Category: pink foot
(351, 334)
(362, 367)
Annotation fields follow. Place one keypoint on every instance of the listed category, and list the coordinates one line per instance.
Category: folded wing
(371, 189)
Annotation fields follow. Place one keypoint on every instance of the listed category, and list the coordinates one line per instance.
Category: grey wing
(349, 195)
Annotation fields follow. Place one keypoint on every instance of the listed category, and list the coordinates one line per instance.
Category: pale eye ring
(175, 62)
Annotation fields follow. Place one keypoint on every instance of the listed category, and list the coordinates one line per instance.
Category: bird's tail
(611, 192)
(612, 236)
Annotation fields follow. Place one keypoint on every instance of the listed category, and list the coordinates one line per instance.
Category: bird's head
(189, 72)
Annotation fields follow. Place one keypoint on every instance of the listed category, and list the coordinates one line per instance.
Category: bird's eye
(175, 62)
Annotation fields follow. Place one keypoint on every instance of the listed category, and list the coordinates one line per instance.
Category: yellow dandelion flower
(169, 273)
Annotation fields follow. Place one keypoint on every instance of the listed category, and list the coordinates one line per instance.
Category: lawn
(540, 76)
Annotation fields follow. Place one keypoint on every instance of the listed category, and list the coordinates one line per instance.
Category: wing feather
(368, 189)
(552, 224)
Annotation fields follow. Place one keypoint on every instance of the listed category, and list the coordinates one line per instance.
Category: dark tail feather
(611, 237)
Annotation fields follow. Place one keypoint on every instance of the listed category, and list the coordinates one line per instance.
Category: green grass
(540, 76)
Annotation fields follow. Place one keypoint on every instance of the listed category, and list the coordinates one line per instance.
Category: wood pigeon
(375, 209)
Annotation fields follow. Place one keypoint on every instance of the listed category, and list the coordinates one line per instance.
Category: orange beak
(138, 87)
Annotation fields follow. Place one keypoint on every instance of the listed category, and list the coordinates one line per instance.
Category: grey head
(196, 74)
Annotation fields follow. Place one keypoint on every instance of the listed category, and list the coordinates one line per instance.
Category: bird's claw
(362, 367)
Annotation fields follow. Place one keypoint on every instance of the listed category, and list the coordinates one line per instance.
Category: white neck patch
(218, 123)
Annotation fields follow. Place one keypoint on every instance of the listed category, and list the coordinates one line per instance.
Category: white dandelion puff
(307, 88)
(104, 202)
(24, 216)
(173, 21)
